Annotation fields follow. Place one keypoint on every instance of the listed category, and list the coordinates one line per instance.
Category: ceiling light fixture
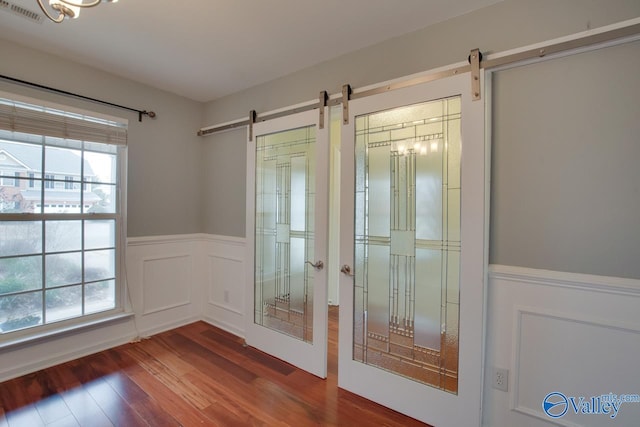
(68, 8)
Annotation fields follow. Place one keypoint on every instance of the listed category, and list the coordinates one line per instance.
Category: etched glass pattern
(284, 231)
(407, 241)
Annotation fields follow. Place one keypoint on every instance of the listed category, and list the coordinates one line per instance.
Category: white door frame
(407, 396)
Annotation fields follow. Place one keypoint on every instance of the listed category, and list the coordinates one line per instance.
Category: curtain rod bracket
(150, 114)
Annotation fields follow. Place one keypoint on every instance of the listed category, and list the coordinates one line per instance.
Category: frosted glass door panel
(429, 197)
(428, 298)
(377, 317)
(284, 231)
(407, 241)
(297, 288)
(379, 190)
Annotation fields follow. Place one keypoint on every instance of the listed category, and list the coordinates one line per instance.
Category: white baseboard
(63, 357)
(225, 326)
(167, 326)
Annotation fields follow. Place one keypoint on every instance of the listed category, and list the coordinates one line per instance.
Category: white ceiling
(205, 49)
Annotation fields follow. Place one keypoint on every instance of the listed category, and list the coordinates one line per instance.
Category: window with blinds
(61, 216)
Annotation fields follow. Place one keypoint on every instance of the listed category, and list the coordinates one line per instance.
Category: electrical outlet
(501, 379)
(226, 296)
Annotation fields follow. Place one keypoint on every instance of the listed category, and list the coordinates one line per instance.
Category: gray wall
(164, 154)
(223, 193)
(506, 25)
(565, 176)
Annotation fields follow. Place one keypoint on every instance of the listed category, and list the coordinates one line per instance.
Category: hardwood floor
(196, 375)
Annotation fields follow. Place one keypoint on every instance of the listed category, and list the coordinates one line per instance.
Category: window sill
(59, 332)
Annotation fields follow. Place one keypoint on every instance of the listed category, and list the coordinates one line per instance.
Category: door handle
(345, 269)
(319, 265)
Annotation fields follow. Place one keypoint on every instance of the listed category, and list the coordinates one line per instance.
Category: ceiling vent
(25, 13)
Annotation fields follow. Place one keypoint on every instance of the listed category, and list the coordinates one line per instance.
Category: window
(49, 183)
(34, 180)
(60, 249)
(68, 183)
(9, 179)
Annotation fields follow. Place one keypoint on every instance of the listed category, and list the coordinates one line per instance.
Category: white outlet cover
(501, 379)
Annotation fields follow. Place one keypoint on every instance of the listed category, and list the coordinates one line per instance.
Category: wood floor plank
(181, 386)
(114, 407)
(69, 421)
(84, 408)
(8, 396)
(291, 407)
(154, 414)
(84, 372)
(25, 416)
(195, 375)
(121, 381)
(239, 403)
(3, 418)
(171, 401)
(39, 386)
(145, 406)
(126, 389)
(195, 353)
(262, 365)
(269, 407)
(223, 339)
(61, 378)
(167, 355)
(52, 409)
(103, 366)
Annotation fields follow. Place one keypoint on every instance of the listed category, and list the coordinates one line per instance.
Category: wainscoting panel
(164, 283)
(225, 261)
(570, 334)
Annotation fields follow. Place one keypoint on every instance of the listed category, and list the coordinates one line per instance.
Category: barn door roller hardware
(322, 103)
(346, 95)
(475, 57)
(252, 120)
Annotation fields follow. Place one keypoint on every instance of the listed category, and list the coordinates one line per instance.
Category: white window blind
(25, 117)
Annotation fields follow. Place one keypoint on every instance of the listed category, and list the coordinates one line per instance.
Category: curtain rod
(141, 113)
(621, 30)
